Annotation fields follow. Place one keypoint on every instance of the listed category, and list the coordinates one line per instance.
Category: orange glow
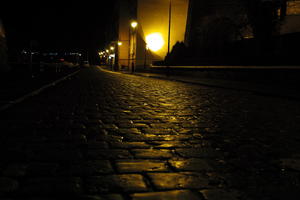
(155, 41)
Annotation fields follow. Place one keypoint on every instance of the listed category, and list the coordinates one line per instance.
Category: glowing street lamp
(120, 43)
(112, 48)
(155, 41)
(133, 25)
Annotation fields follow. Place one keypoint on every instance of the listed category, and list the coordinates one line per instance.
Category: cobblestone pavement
(104, 135)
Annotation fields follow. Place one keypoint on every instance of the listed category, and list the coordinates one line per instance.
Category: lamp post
(169, 38)
(169, 29)
(133, 25)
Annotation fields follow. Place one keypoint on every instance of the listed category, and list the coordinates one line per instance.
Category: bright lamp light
(155, 41)
(134, 24)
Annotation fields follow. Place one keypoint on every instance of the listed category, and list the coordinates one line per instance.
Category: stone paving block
(217, 194)
(90, 168)
(100, 154)
(152, 137)
(116, 183)
(146, 121)
(169, 144)
(51, 186)
(167, 195)
(204, 152)
(110, 127)
(183, 180)
(130, 145)
(193, 164)
(138, 166)
(140, 125)
(152, 153)
(160, 131)
(124, 131)
(8, 185)
(101, 197)
(186, 131)
(125, 125)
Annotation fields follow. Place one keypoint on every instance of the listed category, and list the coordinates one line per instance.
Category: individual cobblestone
(116, 183)
(198, 153)
(139, 166)
(217, 194)
(193, 164)
(185, 180)
(130, 145)
(168, 195)
(101, 197)
(152, 153)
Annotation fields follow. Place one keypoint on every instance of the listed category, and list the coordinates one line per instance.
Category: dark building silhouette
(3, 49)
(215, 24)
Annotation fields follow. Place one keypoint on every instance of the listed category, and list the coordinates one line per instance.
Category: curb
(35, 92)
(258, 89)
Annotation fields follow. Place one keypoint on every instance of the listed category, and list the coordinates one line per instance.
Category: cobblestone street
(112, 136)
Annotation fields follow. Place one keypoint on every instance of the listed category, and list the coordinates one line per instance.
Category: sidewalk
(258, 88)
(16, 84)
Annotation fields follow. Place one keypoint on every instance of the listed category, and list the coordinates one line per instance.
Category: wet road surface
(105, 135)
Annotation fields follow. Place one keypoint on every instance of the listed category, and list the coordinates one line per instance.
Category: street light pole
(169, 38)
(169, 30)
(134, 25)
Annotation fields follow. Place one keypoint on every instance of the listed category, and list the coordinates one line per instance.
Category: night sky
(56, 24)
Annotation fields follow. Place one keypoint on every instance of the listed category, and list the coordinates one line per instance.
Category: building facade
(218, 21)
(291, 23)
(206, 27)
(160, 24)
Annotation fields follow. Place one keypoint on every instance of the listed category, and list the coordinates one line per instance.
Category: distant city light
(155, 41)
(112, 48)
(120, 43)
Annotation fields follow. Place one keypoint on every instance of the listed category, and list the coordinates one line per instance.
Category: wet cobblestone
(104, 135)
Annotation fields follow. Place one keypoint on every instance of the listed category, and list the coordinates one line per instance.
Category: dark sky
(56, 24)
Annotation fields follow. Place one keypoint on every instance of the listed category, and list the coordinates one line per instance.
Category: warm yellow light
(120, 43)
(107, 50)
(134, 24)
(112, 48)
(155, 41)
